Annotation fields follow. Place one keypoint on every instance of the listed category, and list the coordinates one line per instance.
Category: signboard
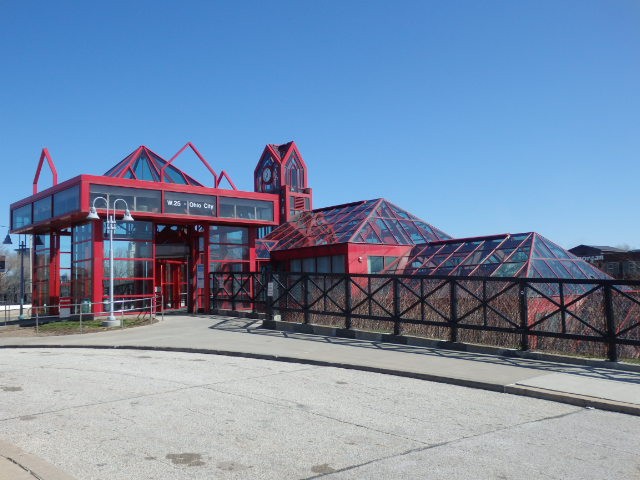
(189, 204)
(270, 289)
(200, 276)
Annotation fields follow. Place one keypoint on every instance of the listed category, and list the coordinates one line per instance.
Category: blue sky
(479, 117)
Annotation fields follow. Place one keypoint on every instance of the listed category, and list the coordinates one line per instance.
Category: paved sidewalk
(588, 386)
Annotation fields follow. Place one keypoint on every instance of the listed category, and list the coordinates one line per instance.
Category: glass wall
(21, 216)
(41, 275)
(138, 200)
(64, 255)
(245, 208)
(81, 267)
(42, 209)
(133, 262)
(325, 264)
(66, 201)
(228, 249)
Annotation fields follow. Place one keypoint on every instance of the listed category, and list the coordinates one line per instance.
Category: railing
(77, 315)
(598, 318)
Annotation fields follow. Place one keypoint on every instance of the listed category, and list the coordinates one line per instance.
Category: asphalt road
(122, 414)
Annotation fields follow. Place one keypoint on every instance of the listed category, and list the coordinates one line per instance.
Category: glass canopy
(371, 221)
(510, 255)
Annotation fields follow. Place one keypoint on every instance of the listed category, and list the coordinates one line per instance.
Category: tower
(282, 170)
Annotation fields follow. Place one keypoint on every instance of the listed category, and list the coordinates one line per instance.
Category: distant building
(616, 262)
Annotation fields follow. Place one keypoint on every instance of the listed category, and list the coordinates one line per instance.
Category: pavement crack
(443, 444)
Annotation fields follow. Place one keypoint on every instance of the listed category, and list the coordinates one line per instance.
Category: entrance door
(171, 276)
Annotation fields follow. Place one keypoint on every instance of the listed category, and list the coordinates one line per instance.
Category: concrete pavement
(588, 386)
(121, 414)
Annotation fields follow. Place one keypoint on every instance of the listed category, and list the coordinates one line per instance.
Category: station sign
(190, 204)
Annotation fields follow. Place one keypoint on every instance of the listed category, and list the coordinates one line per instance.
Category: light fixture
(110, 224)
(127, 216)
(93, 214)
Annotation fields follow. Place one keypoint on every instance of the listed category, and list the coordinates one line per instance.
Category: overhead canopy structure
(375, 221)
(508, 255)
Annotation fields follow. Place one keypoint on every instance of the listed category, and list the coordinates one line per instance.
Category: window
(21, 216)
(245, 208)
(133, 260)
(66, 201)
(228, 248)
(138, 200)
(325, 264)
(81, 265)
(42, 209)
(378, 264)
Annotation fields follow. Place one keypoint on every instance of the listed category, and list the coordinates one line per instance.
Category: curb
(512, 389)
(31, 464)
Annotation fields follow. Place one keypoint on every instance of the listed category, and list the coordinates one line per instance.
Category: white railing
(143, 308)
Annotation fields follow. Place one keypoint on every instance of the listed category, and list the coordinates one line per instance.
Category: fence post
(269, 295)
(305, 297)
(612, 350)
(453, 311)
(347, 302)
(233, 292)
(37, 321)
(396, 306)
(524, 314)
(81, 318)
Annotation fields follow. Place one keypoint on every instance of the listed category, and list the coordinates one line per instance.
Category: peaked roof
(281, 150)
(508, 255)
(375, 221)
(144, 164)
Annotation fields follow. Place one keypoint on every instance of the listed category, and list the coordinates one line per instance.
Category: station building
(184, 229)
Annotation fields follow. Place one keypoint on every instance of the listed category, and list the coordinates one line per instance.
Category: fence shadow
(254, 327)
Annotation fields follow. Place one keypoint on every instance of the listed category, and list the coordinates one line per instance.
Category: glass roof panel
(543, 269)
(514, 241)
(573, 269)
(485, 270)
(558, 269)
(541, 250)
(556, 250)
(508, 269)
(521, 255)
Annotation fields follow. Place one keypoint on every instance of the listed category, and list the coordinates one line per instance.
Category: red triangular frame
(52, 167)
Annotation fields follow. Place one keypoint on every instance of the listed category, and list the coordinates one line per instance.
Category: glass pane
(376, 264)
(543, 269)
(324, 264)
(308, 265)
(508, 270)
(66, 201)
(129, 268)
(42, 209)
(337, 264)
(21, 216)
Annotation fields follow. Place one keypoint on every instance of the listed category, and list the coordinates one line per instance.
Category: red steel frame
(84, 181)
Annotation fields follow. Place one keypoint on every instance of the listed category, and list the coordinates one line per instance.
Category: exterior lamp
(22, 248)
(111, 321)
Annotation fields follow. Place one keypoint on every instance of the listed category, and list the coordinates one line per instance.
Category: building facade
(184, 230)
(615, 262)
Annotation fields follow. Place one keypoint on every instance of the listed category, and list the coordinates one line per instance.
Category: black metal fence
(599, 318)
